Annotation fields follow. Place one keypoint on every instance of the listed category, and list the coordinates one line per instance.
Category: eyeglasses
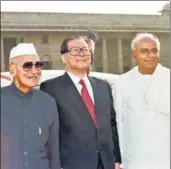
(75, 51)
(27, 66)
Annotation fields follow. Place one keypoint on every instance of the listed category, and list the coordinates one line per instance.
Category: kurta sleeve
(54, 139)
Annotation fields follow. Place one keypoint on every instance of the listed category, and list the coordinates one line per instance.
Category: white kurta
(142, 104)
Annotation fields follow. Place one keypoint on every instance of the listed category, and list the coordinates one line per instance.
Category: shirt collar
(76, 79)
(138, 73)
(16, 91)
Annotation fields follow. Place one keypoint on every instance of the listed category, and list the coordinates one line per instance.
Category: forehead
(27, 58)
(77, 43)
(146, 43)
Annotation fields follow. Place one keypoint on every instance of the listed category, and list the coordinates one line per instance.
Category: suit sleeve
(54, 139)
(114, 129)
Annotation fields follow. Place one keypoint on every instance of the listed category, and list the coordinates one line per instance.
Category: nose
(151, 54)
(34, 70)
(81, 53)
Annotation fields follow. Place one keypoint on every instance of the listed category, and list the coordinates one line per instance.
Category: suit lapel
(97, 98)
(75, 99)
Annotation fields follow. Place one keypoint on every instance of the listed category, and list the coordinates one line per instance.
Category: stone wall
(50, 52)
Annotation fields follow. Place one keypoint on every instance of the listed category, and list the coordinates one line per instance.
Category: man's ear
(63, 59)
(133, 54)
(12, 69)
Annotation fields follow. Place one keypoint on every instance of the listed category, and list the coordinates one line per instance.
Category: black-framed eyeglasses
(27, 66)
(75, 51)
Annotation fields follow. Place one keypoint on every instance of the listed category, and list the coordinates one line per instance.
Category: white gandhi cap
(23, 49)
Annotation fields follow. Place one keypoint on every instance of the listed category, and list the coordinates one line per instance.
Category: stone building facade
(47, 30)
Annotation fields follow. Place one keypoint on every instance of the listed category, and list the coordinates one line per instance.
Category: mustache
(33, 75)
(150, 60)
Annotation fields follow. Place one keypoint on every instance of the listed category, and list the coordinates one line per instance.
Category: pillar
(120, 56)
(2, 56)
(104, 56)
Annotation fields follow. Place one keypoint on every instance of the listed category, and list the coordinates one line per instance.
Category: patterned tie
(87, 100)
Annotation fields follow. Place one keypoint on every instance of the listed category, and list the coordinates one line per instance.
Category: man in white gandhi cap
(29, 117)
(142, 103)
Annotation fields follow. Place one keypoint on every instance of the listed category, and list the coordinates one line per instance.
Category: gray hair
(141, 36)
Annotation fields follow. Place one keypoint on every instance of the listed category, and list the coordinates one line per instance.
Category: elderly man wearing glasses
(88, 129)
(29, 117)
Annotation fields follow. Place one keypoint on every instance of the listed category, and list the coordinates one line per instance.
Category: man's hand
(117, 166)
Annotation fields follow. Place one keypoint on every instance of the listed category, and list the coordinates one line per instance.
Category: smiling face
(146, 54)
(79, 55)
(26, 70)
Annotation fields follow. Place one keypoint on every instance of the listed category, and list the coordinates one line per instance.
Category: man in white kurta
(142, 103)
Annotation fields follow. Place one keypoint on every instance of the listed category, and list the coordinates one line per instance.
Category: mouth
(33, 78)
(82, 60)
(150, 61)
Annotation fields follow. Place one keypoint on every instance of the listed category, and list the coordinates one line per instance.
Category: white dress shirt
(76, 81)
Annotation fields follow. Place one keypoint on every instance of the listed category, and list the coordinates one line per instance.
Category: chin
(31, 85)
(150, 66)
(83, 66)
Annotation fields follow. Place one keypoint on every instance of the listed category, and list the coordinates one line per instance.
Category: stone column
(104, 56)
(2, 55)
(120, 56)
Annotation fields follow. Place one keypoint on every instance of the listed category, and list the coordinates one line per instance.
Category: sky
(120, 7)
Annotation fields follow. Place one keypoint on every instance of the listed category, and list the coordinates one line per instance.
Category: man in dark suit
(88, 129)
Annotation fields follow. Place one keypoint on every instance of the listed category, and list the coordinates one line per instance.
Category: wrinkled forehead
(146, 42)
(27, 58)
(77, 43)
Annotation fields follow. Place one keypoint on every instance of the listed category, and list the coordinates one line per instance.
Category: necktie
(88, 102)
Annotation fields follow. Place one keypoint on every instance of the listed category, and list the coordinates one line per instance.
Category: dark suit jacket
(80, 141)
